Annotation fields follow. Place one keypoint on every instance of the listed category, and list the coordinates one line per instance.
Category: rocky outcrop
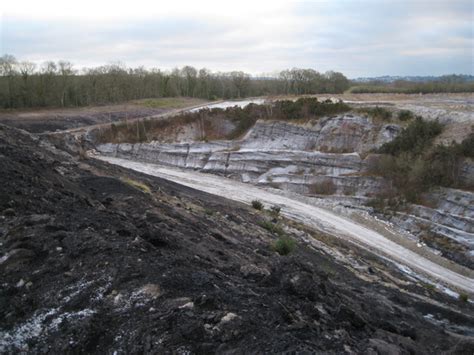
(280, 154)
(339, 134)
(447, 224)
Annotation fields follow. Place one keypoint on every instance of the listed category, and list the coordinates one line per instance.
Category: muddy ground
(92, 262)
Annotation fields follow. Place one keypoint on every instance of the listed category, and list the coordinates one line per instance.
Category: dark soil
(91, 263)
(44, 122)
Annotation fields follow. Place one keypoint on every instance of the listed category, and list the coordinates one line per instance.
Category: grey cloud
(364, 37)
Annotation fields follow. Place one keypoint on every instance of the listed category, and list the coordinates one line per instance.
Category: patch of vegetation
(349, 191)
(413, 165)
(257, 205)
(448, 83)
(386, 201)
(137, 185)
(466, 147)
(207, 120)
(463, 297)
(209, 212)
(428, 286)
(376, 112)
(275, 210)
(168, 102)
(326, 187)
(405, 115)
(307, 107)
(272, 228)
(415, 138)
(284, 245)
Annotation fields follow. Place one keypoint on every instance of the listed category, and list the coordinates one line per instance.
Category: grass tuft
(284, 245)
(463, 297)
(272, 227)
(137, 184)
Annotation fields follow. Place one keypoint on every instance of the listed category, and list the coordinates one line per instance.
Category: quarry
(258, 225)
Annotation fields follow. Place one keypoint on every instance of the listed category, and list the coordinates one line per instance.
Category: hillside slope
(96, 258)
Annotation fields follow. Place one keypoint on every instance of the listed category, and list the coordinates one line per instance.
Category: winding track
(305, 213)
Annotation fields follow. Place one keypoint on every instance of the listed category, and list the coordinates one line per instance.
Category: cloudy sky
(356, 37)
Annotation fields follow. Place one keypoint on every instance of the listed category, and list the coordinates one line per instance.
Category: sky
(359, 38)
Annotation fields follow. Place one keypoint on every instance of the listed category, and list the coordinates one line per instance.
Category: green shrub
(463, 297)
(415, 138)
(275, 210)
(272, 228)
(307, 107)
(414, 166)
(377, 112)
(405, 115)
(257, 205)
(430, 287)
(284, 245)
(466, 147)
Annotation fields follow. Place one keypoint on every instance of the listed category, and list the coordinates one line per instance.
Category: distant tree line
(446, 83)
(58, 84)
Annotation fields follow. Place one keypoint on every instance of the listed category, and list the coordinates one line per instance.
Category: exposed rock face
(339, 134)
(279, 153)
(450, 218)
(320, 157)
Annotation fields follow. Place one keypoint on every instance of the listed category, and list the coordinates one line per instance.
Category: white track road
(305, 213)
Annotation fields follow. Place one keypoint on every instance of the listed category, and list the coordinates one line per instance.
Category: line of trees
(59, 84)
(446, 83)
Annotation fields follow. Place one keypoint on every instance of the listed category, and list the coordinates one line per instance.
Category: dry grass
(137, 185)
(326, 187)
(169, 102)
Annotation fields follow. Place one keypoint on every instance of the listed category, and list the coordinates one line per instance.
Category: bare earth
(60, 119)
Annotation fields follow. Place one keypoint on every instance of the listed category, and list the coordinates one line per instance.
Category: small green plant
(275, 210)
(429, 287)
(208, 212)
(377, 112)
(137, 184)
(272, 227)
(257, 205)
(463, 297)
(284, 245)
(405, 115)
